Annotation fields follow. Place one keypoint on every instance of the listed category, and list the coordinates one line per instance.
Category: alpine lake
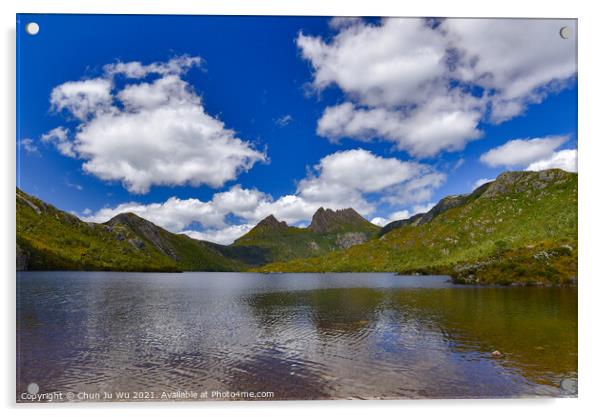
(221, 336)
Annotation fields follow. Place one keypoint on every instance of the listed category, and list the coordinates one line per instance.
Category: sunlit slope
(522, 227)
(50, 239)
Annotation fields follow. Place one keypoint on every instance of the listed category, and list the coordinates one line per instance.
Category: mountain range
(51, 239)
(520, 228)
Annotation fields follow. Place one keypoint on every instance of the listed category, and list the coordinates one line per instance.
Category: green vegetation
(329, 230)
(520, 228)
(544, 263)
(50, 239)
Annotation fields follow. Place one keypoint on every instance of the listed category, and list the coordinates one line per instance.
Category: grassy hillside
(50, 239)
(189, 254)
(520, 228)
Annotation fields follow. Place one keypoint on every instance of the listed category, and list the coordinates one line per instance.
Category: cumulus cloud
(176, 214)
(398, 215)
(223, 236)
(391, 63)
(519, 60)
(347, 176)
(412, 82)
(83, 99)
(522, 152)
(149, 132)
(355, 178)
(361, 170)
(566, 160)
(59, 136)
(442, 124)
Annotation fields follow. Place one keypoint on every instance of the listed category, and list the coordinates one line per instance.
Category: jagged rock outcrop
(144, 228)
(271, 223)
(328, 221)
(347, 240)
(522, 181)
(329, 230)
(24, 199)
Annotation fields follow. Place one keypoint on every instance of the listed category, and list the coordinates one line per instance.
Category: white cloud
(223, 236)
(361, 170)
(166, 145)
(340, 180)
(176, 214)
(398, 215)
(417, 190)
(403, 214)
(388, 64)
(135, 69)
(379, 221)
(340, 22)
(343, 178)
(566, 160)
(59, 136)
(161, 135)
(29, 146)
(442, 124)
(522, 152)
(519, 59)
(422, 208)
(83, 99)
(481, 181)
(409, 81)
(169, 90)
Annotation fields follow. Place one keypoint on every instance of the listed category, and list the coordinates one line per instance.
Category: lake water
(300, 336)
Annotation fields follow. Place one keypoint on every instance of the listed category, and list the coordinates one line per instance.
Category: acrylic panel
(295, 208)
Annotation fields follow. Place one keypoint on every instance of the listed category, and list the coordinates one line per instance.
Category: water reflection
(301, 336)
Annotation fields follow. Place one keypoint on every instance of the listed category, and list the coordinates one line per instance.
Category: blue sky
(205, 124)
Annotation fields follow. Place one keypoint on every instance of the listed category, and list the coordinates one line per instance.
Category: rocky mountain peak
(521, 181)
(128, 219)
(327, 220)
(143, 229)
(271, 223)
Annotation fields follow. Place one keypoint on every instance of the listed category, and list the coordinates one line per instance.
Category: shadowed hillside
(50, 239)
